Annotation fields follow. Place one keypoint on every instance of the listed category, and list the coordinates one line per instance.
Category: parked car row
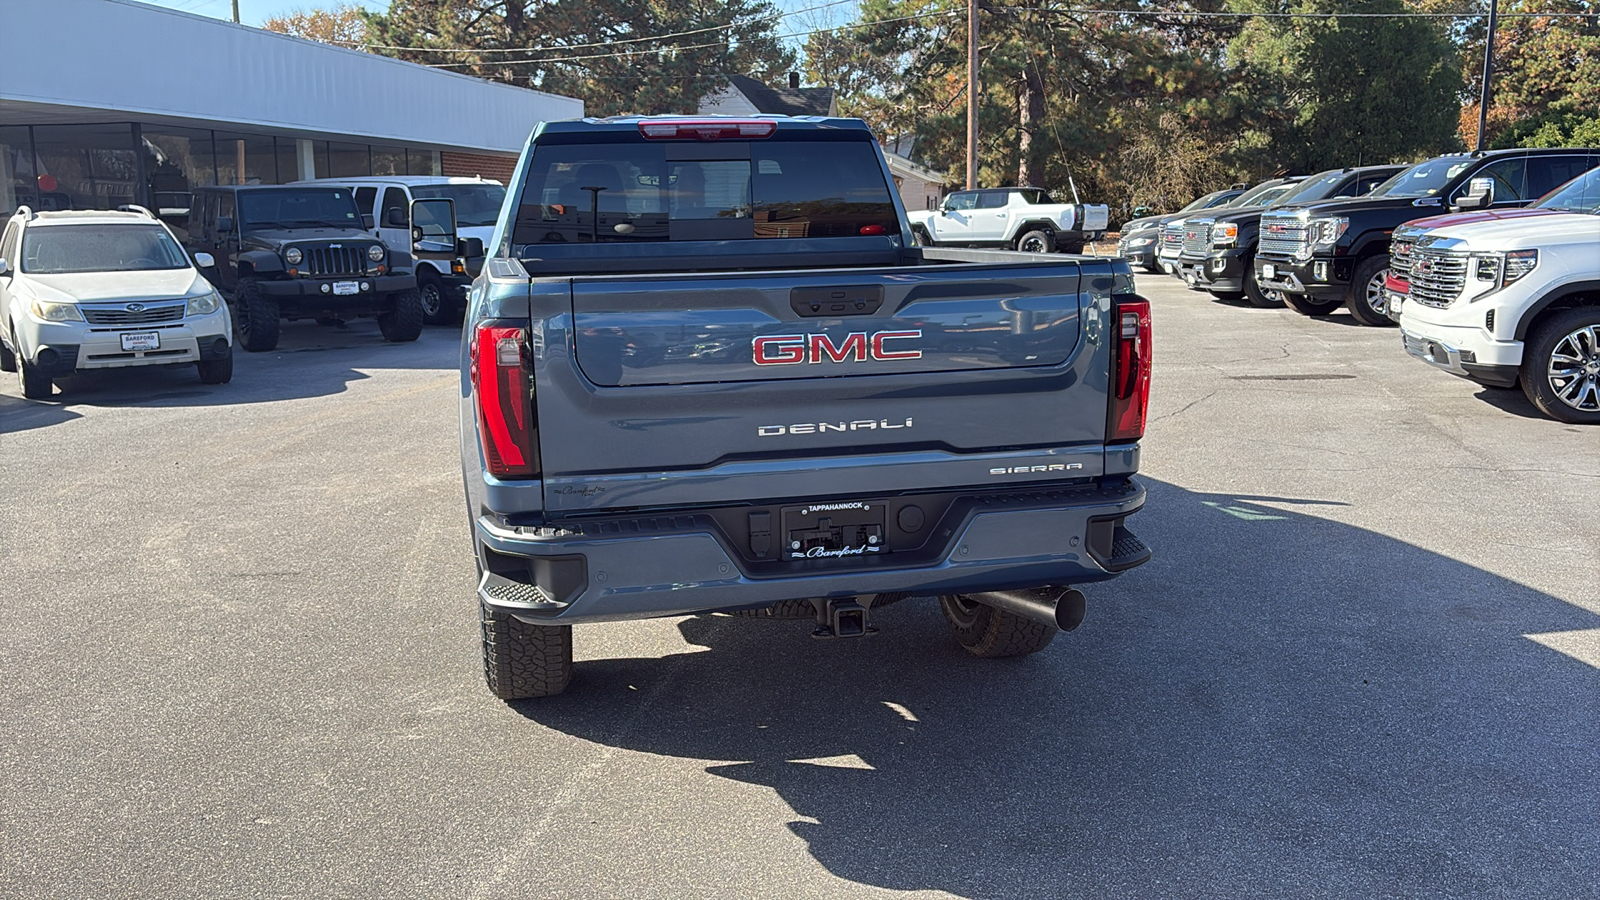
(1493, 291)
(92, 289)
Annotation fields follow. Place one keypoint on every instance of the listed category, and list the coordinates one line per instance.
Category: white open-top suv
(96, 289)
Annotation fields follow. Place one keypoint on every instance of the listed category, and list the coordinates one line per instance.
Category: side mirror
(395, 217)
(367, 221)
(469, 247)
(433, 228)
(205, 260)
(1479, 195)
(5, 268)
(225, 224)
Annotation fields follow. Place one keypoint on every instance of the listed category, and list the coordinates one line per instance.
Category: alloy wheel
(1032, 245)
(1376, 299)
(1574, 369)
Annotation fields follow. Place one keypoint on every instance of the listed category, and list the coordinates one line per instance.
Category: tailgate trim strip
(881, 474)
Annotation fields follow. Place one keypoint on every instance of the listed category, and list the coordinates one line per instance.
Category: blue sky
(253, 12)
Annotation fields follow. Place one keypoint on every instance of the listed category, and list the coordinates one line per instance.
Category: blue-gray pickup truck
(707, 369)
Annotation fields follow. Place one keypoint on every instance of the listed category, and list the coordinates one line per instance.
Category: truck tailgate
(727, 387)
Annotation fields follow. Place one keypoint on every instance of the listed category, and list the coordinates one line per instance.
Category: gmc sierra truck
(706, 369)
(1336, 253)
(1224, 266)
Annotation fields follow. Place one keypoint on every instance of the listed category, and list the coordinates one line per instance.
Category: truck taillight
(504, 401)
(1130, 383)
(687, 129)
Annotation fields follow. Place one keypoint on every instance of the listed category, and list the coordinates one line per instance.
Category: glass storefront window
(176, 161)
(253, 155)
(17, 180)
(388, 160)
(348, 160)
(288, 160)
(421, 162)
(86, 166)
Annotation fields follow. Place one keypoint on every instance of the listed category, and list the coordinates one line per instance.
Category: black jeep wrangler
(298, 252)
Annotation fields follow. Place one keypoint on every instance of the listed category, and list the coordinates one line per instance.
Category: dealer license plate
(142, 340)
(346, 288)
(1269, 271)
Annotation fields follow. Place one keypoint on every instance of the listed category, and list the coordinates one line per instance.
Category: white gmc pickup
(1509, 297)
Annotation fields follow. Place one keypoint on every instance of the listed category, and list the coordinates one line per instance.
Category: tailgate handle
(857, 300)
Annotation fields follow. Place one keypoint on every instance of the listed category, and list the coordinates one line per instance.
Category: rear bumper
(675, 565)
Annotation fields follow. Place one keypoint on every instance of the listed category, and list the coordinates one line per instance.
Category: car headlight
(1141, 241)
(1323, 234)
(56, 312)
(1225, 234)
(203, 305)
(292, 256)
(1503, 269)
(375, 253)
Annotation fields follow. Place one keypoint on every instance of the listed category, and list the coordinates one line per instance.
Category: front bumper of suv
(320, 291)
(1223, 270)
(667, 565)
(58, 349)
(1320, 277)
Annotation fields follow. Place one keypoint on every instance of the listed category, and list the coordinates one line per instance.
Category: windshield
(327, 207)
(1581, 194)
(1261, 194)
(1206, 202)
(1423, 179)
(476, 204)
(1316, 187)
(64, 249)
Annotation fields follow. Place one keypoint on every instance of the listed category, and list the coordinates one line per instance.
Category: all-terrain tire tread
(522, 661)
(996, 633)
(402, 321)
(262, 315)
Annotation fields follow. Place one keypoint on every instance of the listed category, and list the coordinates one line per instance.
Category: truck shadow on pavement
(1277, 705)
(310, 361)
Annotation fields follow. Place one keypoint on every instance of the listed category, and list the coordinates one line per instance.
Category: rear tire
(1036, 241)
(216, 371)
(255, 318)
(522, 661)
(1366, 300)
(402, 321)
(437, 307)
(35, 384)
(1306, 306)
(993, 633)
(1567, 341)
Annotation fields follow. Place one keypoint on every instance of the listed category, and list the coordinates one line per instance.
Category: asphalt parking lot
(240, 660)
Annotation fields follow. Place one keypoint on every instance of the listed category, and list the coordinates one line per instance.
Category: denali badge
(825, 427)
(1029, 470)
(794, 349)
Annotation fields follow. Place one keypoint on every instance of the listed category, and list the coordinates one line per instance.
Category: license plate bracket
(1269, 271)
(346, 288)
(834, 530)
(137, 341)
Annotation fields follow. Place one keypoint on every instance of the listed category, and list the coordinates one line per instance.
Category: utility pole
(235, 12)
(972, 94)
(1488, 73)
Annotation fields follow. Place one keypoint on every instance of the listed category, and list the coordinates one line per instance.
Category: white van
(387, 199)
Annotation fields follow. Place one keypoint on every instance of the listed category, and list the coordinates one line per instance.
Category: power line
(659, 37)
(678, 47)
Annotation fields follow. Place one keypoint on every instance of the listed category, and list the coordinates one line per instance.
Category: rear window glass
(632, 192)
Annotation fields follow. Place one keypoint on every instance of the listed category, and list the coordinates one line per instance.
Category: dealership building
(140, 104)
